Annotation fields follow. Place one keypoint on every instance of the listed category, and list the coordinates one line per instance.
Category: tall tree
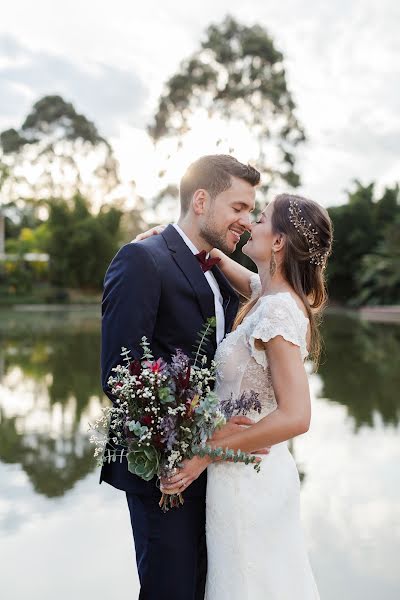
(237, 74)
(57, 152)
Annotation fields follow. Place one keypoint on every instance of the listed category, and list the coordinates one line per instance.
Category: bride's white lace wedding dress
(256, 548)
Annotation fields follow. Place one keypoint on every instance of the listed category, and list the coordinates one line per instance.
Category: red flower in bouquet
(146, 420)
(156, 366)
(135, 368)
(183, 381)
(159, 441)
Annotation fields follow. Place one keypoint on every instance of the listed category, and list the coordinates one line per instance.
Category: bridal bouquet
(163, 414)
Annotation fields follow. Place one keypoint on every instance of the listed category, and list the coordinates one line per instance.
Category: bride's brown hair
(303, 265)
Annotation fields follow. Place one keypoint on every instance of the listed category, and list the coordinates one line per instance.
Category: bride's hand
(190, 471)
(146, 234)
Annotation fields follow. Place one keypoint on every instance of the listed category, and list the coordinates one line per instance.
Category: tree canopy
(237, 74)
(56, 152)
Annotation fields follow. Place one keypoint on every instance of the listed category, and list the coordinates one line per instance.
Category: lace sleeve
(278, 317)
(255, 286)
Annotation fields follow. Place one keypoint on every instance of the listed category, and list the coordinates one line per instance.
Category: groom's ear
(199, 201)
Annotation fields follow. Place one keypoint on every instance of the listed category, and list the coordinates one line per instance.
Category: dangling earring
(272, 264)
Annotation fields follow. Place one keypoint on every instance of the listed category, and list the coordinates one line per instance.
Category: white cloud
(104, 93)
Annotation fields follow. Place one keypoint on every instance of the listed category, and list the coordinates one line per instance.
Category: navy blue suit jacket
(156, 288)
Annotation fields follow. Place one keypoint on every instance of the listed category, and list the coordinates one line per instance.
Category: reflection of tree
(360, 371)
(52, 465)
(361, 368)
(72, 360)
(67, 364)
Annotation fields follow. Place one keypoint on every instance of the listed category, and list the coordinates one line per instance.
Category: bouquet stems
(170, 500)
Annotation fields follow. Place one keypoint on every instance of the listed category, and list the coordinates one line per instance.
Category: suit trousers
(171, 551)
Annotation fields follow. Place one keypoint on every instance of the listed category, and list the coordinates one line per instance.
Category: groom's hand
(234, 425)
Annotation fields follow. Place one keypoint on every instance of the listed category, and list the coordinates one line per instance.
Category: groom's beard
(216, 239)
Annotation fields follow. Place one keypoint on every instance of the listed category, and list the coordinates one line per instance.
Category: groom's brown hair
(213, 173)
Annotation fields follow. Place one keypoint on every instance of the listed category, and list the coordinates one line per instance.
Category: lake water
(63, 536)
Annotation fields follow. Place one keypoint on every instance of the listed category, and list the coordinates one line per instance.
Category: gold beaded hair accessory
(318, 257)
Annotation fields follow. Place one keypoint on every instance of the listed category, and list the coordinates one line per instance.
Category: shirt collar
(185, 238)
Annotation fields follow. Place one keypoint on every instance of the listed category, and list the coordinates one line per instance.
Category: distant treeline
(79, 245)
(365, 265)
(363, 269)
(60, 191)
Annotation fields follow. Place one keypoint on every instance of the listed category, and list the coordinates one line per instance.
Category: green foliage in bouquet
(229, 455)
(143, 461)
(202, 339)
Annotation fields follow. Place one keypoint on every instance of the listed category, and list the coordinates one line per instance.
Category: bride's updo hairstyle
(308, 233)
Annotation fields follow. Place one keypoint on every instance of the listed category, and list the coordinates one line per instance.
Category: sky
(111, 59)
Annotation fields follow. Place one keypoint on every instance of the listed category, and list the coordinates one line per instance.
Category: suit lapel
(190, 267)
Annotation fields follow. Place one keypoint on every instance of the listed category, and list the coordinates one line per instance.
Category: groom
(165, 288)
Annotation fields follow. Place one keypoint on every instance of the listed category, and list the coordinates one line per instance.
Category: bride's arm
(291, 418)
(238, 276)
(293, 413)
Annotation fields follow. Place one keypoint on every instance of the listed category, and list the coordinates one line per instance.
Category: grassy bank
(49, 295)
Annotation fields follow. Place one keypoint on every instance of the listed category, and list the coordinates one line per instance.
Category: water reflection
(49, 391)
(50, 388)
(361, 368)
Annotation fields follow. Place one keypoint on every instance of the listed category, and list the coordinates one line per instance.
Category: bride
(256, 549)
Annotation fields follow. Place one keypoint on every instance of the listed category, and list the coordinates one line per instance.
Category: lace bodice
(243, 367)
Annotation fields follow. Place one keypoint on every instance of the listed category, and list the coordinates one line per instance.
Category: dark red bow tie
(206, 263)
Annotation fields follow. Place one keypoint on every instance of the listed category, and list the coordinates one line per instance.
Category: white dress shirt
(212, 282)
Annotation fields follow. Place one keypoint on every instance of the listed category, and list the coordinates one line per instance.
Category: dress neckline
(255, 308)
